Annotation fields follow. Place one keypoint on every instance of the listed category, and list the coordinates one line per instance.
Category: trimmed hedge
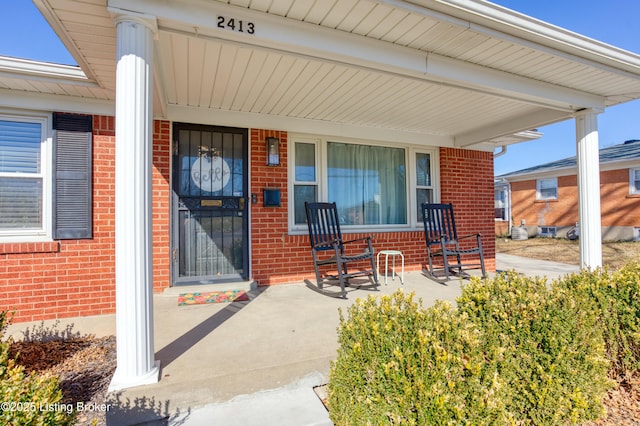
(616, 299)
(28, 399)
(516, 350)
(400, 364)
(546, 346)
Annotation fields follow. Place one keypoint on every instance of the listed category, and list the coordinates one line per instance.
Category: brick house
(147, 166)
(545, 197)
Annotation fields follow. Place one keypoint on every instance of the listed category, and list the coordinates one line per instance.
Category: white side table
(393, 254)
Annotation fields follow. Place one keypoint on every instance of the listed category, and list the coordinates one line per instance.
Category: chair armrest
(368, 238)
(470, 236)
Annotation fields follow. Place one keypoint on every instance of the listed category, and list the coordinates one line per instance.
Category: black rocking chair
(442, 241)
(327, 247)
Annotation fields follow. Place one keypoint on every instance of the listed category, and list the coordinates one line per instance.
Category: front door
(210, 191)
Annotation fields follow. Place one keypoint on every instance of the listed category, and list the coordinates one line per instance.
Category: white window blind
(21, 202)
(547, 189)
(634, 181)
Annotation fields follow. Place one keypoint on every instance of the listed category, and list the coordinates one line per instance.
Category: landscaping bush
(615, 299)
(546, 346)
(28, 399)
(401, 364)
(515, 351)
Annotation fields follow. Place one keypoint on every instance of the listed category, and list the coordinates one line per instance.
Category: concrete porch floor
(255, 362)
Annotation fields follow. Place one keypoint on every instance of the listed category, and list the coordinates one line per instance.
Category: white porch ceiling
(457, 72)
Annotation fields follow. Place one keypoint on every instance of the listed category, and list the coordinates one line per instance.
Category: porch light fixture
(273, 151)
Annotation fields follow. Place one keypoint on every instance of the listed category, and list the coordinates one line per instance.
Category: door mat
(212, 297)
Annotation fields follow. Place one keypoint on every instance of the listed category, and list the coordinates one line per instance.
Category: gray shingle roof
(629, 150)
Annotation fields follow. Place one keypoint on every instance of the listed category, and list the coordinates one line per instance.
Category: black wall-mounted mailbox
(271, 197)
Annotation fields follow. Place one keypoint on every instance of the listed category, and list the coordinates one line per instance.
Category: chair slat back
(439, 221)
(324, 225)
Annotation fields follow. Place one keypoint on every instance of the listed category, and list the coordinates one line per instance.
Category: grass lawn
(614, 254)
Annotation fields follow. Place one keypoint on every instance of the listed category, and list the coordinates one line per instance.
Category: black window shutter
(72, 201)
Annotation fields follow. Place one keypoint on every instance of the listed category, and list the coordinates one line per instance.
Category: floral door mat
(212, 297)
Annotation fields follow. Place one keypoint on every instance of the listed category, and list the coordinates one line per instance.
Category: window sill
(633, 196)
(26, 248)
(363, 230)
(549, 200)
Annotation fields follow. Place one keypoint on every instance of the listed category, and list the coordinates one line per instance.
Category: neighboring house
(545, 197)
(182, 149)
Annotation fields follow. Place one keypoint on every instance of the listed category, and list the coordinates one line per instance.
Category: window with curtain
(373, 185)
(368, 183)
(21, 176)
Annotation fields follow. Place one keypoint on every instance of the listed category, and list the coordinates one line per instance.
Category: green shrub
(615, 299)
(515, 351)
(401, 364)
(546, 346)
(28, 399)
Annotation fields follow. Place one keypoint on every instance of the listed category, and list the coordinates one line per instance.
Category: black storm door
(210, 217)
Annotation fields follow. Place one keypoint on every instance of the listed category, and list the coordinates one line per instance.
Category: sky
(615, 22)
(22, 30)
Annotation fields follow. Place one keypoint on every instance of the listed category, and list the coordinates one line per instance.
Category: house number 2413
(236, 25)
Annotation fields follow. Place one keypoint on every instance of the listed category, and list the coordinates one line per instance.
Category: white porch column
(587, 154)
(134, 137)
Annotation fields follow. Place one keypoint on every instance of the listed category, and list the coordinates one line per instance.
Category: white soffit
(467, 70)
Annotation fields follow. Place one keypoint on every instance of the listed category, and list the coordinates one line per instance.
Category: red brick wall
(76, 277)
(466, 181)
(560, 212)
(502, 228)
(70, 278)
(277, 257)
(618, 207)
(523, 196)
(161, 200)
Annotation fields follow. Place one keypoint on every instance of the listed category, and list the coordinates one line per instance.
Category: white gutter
(503, 151)
(518, 23)
(506, 24)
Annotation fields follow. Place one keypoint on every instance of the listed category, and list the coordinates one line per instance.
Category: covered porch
(444, 74)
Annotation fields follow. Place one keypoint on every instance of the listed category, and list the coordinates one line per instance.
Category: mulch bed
(84, 366)
(622, 405)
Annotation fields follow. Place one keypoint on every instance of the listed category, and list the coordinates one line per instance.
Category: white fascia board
(288, 36)
(510, 139)
(301, 125)
(484, 147)
(620, 164)
(506, 24)
(511, 126)
(572, 171)
(546, 174)
(47, 102)
(43, 71)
